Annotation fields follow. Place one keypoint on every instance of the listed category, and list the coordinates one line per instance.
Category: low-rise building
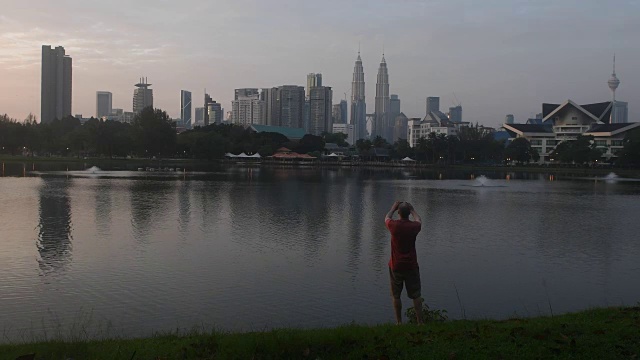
(566, 121)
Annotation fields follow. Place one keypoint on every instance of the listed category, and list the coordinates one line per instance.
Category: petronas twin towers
(382, 125)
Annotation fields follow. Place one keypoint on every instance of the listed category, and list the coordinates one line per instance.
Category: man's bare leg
(397, 307)
(417, 305)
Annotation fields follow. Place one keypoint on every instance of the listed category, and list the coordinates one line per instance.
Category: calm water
(129, 253)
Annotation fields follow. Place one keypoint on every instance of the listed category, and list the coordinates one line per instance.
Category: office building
(104, 103)
(347, 129)
(185, 109)
(433, 104)
(509, 119)
(271, 110)
(212, 111)
(400, 127)
(247, 107)
(320, 102)
(56, 80)
(290, 106)
(455, 113)
(199, 115)
(381, 126)
(142, 96)
(358, 103)
(394, 106)
(313, 80)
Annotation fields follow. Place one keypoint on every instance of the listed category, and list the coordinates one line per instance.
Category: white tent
(256, 156)
(407, 159)
(230, 155)
(242, 155)
(333, 155)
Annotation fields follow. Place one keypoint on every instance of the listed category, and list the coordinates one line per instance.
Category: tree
(363, 145)
(310, 143)
(520, 150)
(403, 149)
(630, 153)
(337, 138)
(154, 133)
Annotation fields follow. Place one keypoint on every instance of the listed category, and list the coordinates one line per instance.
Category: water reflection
(54, 228)
(103, 208)
(149, 203)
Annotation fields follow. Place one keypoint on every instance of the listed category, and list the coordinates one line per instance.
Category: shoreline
(133, 164)
(601, 333)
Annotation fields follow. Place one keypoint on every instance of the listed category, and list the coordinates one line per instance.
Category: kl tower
(613, 82)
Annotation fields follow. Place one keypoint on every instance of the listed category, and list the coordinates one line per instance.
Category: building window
(616, 143)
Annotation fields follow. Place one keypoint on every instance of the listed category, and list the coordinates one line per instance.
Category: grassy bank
(612, 333)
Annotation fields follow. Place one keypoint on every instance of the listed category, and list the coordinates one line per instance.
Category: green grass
(612, 333)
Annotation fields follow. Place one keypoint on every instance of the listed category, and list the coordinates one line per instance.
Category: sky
(493, 57)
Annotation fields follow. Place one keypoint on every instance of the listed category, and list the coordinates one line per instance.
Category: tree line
(152, 133)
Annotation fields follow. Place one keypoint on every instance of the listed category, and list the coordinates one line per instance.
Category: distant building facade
(566, 121)
(104, 104)
(347, 129)
(509, 119)
(382, 125)
(199, 115)
(400, 128)
(455, 113)
(142, 96)
(320, 101)
(621, 113)
(247, 107)
(433, 104)
(56, 81)
(358, 104)
(185, 109)
(290, 100)
(313, 80)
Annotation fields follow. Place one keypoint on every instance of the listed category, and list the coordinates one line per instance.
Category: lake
(128, 253)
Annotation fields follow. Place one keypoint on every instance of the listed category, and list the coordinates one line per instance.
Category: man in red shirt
(403, 265)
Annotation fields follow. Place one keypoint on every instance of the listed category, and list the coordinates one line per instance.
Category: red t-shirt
(403, 244)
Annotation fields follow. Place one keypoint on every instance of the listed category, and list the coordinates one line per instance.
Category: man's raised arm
(394, 207)
(415, 215)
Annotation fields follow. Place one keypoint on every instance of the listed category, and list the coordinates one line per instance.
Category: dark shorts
(410, 278)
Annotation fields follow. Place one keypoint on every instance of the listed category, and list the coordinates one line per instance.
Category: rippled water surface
(130, 253)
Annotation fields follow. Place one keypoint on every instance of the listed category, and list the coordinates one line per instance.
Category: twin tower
(383, 123)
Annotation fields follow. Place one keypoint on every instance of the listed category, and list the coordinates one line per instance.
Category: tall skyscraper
(320, 110)
(358, 104)
(455, 113)
(290, 105)
(55, 91)
(247, 108)
(104, 104)
(313, 80)
(433, 104)
(271, 110)
(344, 111)
(185, 109)
(381, 126)
(142, 96)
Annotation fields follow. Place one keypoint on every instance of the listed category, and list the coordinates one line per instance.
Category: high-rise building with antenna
(358, 103)
(142, 96)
